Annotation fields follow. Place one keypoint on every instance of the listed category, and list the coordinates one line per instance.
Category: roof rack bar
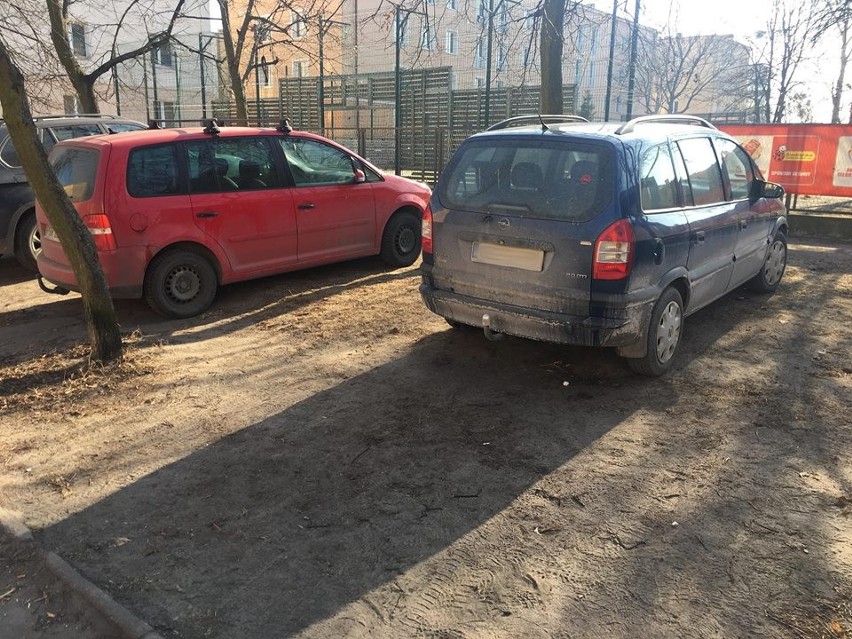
(665, 118)
(108, 116)
(523, 120)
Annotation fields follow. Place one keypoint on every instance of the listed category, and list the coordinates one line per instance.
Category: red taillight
(101, 231)
(614, 252)
(426, 230)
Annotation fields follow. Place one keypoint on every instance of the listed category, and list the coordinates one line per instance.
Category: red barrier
(806, 159)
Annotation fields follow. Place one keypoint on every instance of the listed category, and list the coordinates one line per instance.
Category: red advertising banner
(806, 159)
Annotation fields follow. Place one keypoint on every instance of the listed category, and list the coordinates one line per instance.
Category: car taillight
(614, 252)
(426, 230)
(101, 231)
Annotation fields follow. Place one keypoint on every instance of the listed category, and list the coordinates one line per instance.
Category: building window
(481, 12)
(529, 19)
(452, 4)
(402, 35)
(578, 69)
(299, 68)
(427, 38)
(479, 56)
(297, 26)
(503, 20)
(71, 104)
(165, 112)
(593, 41)
(452, 44)
(77, 37)
(581, 38)
(480, 83)
(591, 74)
(502, 57)
(162, 55)
(528, 57)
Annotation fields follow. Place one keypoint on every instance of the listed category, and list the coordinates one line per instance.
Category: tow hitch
(486, 328)
(56, 290)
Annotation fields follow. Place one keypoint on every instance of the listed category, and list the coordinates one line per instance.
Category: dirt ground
(318, 456)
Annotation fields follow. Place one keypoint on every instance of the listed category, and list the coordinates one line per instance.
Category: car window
(122, 127)
(313, 163)
(231, 164)
(530, 177)
(9, 154)
(153, 171)
(658, 182)
(75, 169)
(705, 180)
(737, 167)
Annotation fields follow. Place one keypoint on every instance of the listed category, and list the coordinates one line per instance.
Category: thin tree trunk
(233, 63)
(59, 36)
(98, 311)
(837, 94)
(552, 25)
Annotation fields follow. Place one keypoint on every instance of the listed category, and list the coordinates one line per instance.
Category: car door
(335, 214)
(753, 223)
(711, 218)
(249, 213)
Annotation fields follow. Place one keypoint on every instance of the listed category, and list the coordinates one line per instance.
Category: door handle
(307, 205)
(659, 251)
(699, 237)
(743, 224)
(207, 214)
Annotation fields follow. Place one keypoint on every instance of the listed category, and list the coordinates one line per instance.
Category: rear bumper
(62, 275)
(541, 325)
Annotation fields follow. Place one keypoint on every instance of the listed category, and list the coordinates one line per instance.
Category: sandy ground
(318, 456)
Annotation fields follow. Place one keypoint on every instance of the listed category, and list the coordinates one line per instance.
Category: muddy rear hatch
(516, 221)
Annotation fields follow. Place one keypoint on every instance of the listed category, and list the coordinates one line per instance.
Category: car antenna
(544, 127)
(284, 127)
(154, 124)
(211, 128)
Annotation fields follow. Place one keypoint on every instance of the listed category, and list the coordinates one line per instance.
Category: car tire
(774, 265)
(663, 336)
(180, 284)
(401, 239)
(28, 242)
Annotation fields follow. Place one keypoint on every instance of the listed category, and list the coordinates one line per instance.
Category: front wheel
(28, 242)
(180, 284)
(663, 336)
(401, 239)
(769, 277)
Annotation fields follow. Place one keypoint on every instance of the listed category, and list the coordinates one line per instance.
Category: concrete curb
(128, 625)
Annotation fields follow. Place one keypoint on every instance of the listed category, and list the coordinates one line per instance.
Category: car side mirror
(769, 190)
(360, 177)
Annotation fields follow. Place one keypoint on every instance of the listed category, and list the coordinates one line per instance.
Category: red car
(174, 213)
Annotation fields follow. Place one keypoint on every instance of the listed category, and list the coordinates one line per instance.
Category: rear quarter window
(152, 171)
(564, 180)
(76, 169)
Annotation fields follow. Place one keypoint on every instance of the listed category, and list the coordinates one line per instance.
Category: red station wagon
(175, 213)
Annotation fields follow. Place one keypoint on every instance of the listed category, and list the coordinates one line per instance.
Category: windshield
(556, 179)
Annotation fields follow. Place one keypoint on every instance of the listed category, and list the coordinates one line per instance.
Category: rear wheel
(401, 239)
(28, 242)
(663, 336)
(180, 284)
(769, 277)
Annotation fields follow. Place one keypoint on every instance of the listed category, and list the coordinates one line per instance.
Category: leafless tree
(104, 335)
(836, 15)
(261, 28)
(790, 30)
(136, 13)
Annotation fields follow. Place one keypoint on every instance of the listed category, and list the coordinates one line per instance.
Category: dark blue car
(599, 234)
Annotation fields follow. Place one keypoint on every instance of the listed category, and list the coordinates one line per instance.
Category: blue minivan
(599, 234)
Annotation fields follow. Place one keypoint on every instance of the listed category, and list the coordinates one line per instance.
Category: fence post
(362, 142)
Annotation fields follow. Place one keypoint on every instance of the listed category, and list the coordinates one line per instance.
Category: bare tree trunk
(837, 94)
(104, 335)
(59, 36)
(232, 61)
(552, 25)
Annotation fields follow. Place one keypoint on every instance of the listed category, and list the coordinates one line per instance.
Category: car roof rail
(106, 116)
(524, 120)
(665, 118)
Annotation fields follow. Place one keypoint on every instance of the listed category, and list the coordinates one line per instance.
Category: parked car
(175, 213)
(18, 233)
(599, 234)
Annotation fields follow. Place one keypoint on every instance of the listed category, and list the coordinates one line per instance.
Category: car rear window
(75, 169)
(555, 179)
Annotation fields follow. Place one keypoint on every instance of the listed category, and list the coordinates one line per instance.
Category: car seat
(526, 176)
(250, 175)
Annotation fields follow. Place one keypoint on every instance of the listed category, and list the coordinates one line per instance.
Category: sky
(743, 18)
